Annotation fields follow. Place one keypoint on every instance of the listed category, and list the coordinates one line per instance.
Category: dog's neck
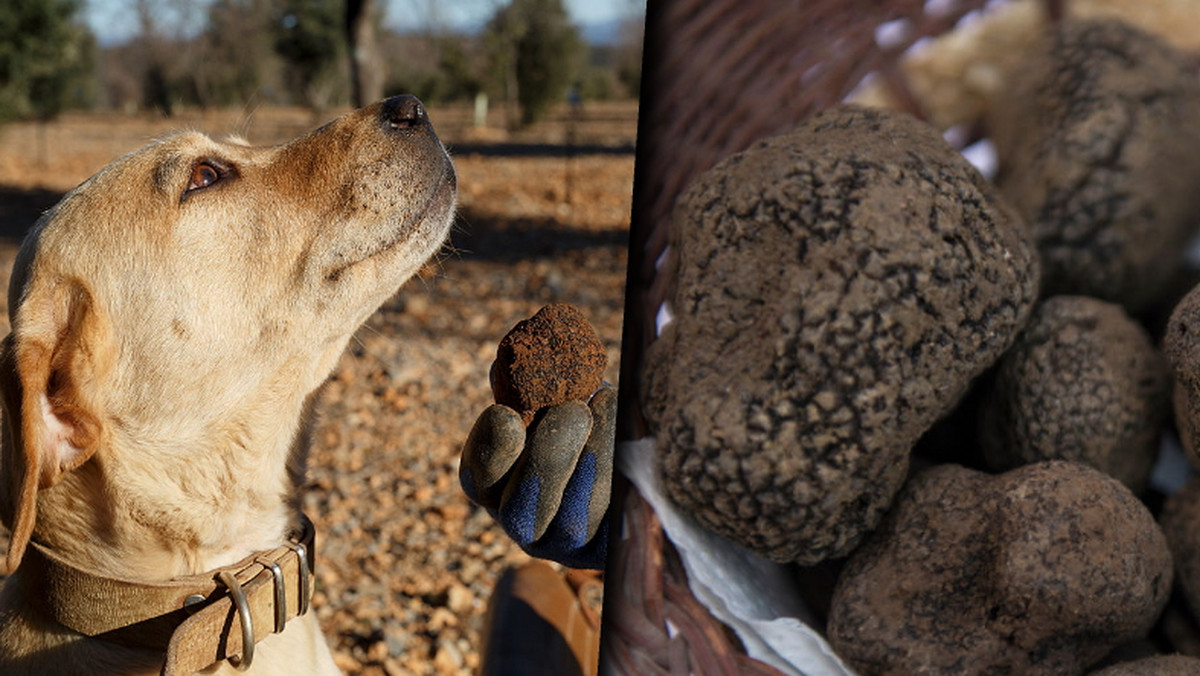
(207, 507)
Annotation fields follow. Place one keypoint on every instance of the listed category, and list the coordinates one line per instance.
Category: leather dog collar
(198, 620)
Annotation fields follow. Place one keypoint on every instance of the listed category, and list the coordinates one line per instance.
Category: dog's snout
(404, 112)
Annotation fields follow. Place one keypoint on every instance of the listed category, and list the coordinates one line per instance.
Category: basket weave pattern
(719, 75)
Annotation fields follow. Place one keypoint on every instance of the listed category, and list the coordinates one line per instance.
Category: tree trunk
(512, 90)
(366, 67)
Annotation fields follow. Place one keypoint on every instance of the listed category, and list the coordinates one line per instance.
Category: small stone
(459, 599)
(441, 618)
(346, 663)
(378, 651)
(448, 657)
(396, 639)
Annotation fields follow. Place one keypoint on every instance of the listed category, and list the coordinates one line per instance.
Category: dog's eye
(203, 175)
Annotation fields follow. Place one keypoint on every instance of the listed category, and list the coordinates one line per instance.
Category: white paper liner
(755, 597)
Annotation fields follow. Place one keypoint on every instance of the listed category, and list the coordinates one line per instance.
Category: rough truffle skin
(1098, 138)
(1083, 382)
(550, 358)
(1041, 570)
(837, 289)
(1158, 665)
(1181, 345)
(1180, 521)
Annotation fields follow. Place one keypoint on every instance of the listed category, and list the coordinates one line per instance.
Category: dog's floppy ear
(48, 431)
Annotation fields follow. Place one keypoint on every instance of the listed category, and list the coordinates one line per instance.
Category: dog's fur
(166, 346)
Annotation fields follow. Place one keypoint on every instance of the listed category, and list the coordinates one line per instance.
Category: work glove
(548, 485)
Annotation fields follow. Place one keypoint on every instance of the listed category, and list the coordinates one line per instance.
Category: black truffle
(1180, 521)
(1098, 138)
(550, 358)
(1181, 345)
(838, 287)
(1042, 570)
(1158, 665)
(1083, 382)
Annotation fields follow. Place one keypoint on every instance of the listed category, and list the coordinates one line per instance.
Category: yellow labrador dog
(172, 318)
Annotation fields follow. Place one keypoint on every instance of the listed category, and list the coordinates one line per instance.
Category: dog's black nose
(403, 112)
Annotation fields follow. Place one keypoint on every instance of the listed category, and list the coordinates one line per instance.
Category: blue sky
(115, 21)
(469, 13)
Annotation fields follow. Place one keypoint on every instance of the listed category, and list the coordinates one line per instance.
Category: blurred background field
(563, 159)
(406, 563)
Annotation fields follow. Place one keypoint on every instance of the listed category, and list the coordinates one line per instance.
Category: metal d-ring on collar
(243, 612)
(305, 582)
(145, 615)
(245, 620)
(280, 593)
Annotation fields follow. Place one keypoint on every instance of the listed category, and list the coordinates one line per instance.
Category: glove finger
(585, 498)
(581, 513)
(558, 546)
(492, 448)
(534, 491)
(569, 529)
(601, 446)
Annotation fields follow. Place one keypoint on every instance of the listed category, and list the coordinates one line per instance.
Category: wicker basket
(719, 75)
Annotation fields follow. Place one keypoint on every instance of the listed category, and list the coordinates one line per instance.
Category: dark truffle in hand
(1039, 571)
(1083, 382)
(550, 358)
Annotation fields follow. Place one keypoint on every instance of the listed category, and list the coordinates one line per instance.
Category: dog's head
(193, 281)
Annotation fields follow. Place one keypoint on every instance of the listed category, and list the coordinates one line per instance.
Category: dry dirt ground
(406, 564)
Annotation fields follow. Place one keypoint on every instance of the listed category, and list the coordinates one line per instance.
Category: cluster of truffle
(884, 363)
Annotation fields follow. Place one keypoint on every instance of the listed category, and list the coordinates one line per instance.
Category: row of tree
(45, 54)
(312, 52)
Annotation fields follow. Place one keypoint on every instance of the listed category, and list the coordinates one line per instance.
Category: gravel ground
(406, 564)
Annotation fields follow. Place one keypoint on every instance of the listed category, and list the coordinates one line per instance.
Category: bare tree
(366, 66)
(310, 39)
(156, 90)
(541, 50)
(166, 27)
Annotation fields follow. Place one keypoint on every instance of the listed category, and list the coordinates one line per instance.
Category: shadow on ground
(537, 149)
(20, 208)
(475, 237)
(499, 240)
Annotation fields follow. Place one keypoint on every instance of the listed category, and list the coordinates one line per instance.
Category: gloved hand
(548, 486)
